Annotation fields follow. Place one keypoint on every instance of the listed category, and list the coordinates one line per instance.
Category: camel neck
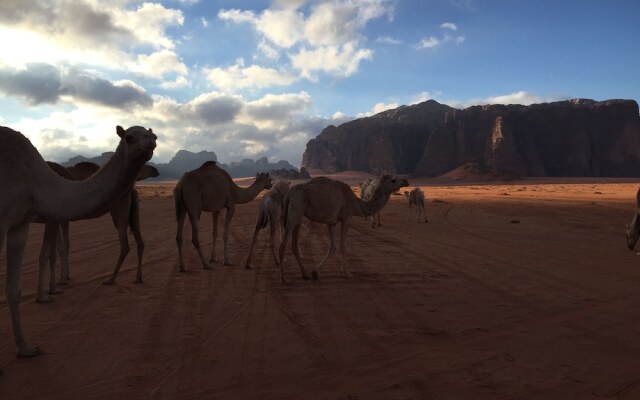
(369, 207)
(245, 195)
(66, 200)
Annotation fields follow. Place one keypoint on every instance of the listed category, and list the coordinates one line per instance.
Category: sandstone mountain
(391, 141)
(578, 137)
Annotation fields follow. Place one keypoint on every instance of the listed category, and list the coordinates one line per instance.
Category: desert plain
(516, 290)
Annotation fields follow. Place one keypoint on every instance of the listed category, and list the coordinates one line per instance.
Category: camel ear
(120, 131)
(150, 130)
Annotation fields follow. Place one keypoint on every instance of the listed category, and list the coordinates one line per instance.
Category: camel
(125, 212)
(30, 188)
(367, 188)
(416, 196)
(210, 188)
(633, 230)
(270, 212)
(329, 202)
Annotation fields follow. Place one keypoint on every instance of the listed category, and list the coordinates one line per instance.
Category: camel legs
(295, 246)
(332, 249)
(63, 251)
(47, 249)
(16, 240)
(225, 235)
(425, 212)
(247, 264)
(409, 210)
(274, 221)
(283, 246)
(140, 250)
(194, 217)
(214, 236)
(121, 226)
(343, 247)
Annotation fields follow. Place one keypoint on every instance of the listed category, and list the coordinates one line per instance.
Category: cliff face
(391, 141)
(569, 138)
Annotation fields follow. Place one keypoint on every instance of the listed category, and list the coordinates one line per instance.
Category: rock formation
(391, 141)
(577, 137)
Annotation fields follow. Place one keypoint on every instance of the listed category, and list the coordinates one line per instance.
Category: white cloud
(428, 43)
(101, 34)
(435, 41)
(449, 25)
(520, 97)
(240, 77)
(204, 22)
(388, 40)
(378, 108)
(421, 97)
(331, 33)
(179, 82)
(341, 61)
(157, 64)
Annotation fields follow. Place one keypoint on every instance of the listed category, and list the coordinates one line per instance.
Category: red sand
(469, 306)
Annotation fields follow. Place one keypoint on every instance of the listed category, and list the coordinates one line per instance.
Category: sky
(251, 79)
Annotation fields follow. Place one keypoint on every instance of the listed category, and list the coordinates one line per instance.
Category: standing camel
(30, 188)
(329, 202)
(633, 229)
(270, 212)
(125, 212)
(367, 188)
(416, 197)
(210, 188)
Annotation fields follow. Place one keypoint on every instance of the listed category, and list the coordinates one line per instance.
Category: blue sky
(248, 79)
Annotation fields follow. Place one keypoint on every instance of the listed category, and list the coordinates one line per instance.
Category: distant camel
(210, 188)
(367, 188)
(633, 230)
(329, 202)
(125, 212)
(270, 212)
(416, 197)
(30, 188)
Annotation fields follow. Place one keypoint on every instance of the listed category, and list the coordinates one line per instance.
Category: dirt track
(471, 305)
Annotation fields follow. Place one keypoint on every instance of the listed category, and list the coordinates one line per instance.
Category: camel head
(139, 142)
(633, 229)
(264, 180)
(391, 184)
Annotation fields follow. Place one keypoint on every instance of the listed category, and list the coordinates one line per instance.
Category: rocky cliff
(569, 138)
(391, 141)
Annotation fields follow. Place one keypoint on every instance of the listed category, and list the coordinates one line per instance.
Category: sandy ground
(524, 290)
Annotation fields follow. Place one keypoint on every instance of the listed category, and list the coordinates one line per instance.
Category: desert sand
(520, 290)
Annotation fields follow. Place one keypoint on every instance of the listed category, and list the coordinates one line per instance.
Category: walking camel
(270, 212)
(30, 188)
(210, 188)
(416, 197)
(633, 229)
(367, 188)
(329, 202)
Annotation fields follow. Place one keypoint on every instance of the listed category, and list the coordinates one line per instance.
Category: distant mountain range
(184, 161)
